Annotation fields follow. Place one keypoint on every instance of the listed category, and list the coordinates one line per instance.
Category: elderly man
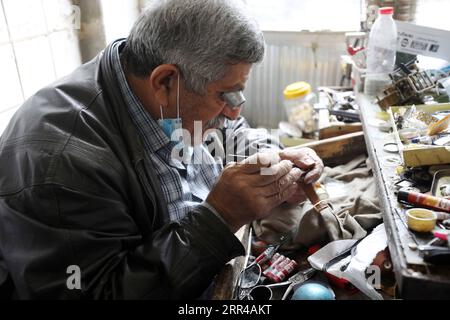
(93, 202)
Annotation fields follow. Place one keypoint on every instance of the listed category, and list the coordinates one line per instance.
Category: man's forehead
(236, 76)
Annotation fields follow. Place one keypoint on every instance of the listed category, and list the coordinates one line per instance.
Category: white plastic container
(299, 103)
(381, 52)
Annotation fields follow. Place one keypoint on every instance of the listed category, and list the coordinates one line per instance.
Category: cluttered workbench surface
(375, 251)
(418, 275)
(377, 223)
(241, 278)
(332, 246)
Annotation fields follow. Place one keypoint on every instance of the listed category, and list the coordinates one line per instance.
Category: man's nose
(231, 113)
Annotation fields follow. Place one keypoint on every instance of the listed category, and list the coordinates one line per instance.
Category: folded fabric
(352, 194)
(357, 264)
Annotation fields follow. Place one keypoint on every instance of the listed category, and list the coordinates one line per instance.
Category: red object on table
(337, 282)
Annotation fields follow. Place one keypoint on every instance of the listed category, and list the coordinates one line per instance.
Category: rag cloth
(356, 210)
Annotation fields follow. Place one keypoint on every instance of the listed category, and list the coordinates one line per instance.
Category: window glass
(66, 54)
(36, 69)
(312, 15)
(11, 94)
(61, 14)
(118, 28)
(25, 18)
(3, 30)
(5, 117)
(38, 43)
(433, 13)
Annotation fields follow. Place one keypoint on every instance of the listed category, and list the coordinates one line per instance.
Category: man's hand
(249, 190)
(307, 160)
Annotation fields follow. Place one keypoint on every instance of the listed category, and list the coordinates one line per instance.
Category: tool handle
(311, 193)
(266, 255)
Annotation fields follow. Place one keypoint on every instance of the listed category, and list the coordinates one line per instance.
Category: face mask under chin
(169, 126)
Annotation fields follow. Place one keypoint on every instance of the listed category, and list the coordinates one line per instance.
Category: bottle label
(429, 201)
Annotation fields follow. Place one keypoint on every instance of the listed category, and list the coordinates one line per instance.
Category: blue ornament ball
(313, 291)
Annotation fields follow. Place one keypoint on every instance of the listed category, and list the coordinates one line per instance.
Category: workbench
(333, 151)
(415, 278)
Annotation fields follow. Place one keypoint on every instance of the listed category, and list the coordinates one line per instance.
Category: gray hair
(201, 37)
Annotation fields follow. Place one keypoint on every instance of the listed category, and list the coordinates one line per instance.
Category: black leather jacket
(72, 193)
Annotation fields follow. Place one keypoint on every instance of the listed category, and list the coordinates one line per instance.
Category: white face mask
(170, 126)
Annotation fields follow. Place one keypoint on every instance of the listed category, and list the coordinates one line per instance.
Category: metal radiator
(313, 57)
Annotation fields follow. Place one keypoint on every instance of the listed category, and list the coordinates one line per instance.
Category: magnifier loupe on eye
(234, 99)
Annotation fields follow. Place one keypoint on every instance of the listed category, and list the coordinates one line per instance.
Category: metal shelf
(415, 278)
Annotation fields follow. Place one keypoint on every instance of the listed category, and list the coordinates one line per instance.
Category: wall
(291, 57)
(38, 44)
(91, 36)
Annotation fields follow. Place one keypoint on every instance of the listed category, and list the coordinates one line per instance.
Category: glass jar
(299, 103)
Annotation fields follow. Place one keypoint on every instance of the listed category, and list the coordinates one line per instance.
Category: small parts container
(421, 220)
(299, 104)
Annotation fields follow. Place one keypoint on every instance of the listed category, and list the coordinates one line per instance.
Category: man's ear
(161, 80)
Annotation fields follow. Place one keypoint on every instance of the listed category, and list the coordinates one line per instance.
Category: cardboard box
(415, 39)
(421, 155)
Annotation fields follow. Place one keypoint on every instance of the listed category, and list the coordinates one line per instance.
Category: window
(118, 28)
(312, 15)
(433, 13)
(334, 15)
(38, 44)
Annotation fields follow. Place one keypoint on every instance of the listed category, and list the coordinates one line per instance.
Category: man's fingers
(276, 200)
(259, 162)
(304, 158)
(274, 173)
(230, 165)
(280, 185)
(298, 197)
(312, 176)
(305, 162)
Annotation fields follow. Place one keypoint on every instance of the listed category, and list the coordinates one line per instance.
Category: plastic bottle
(299, 102)
(381, 52)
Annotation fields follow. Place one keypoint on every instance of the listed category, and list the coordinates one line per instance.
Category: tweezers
(341, 256)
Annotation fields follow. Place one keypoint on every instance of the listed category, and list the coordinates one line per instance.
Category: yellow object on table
(382, 115)
(421, 220)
